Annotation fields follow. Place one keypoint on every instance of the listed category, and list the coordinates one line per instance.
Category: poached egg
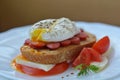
(53, 30)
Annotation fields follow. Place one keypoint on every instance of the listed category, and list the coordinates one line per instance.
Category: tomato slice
(83, 58)
(102, 45)
(86, 56)
(95, 56)
(57, 69)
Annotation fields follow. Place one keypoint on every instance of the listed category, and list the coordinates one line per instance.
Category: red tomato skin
(95, 56)
(102, 45)
(57, 69)
(86, 56)
(83, 58)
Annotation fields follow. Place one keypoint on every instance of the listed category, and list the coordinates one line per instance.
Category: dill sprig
(84, 69)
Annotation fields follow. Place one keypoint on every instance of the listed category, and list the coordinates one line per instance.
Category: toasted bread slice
(47, 56)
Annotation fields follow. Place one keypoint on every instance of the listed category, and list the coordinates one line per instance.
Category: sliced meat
(37, 45)
(53, 45)
(82, 35)
(27, 41)
(66, 42)
(75, 40)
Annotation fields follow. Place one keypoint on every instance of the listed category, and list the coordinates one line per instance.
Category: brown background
(23, 12)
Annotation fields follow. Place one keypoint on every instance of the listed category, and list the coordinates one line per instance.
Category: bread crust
(47, 56)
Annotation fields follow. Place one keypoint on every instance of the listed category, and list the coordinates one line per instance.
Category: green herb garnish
(84, 69)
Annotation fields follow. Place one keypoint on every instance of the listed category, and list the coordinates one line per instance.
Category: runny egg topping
(53, 30)
(36, 34)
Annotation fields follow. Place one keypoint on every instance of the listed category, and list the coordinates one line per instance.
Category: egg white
(54, 30)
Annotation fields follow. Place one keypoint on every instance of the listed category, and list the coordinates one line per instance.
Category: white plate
(11, 41)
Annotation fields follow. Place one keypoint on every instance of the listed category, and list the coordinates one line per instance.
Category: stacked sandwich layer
(53, 43)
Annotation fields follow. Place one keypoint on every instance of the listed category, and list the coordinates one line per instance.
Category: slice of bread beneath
(47, 56)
